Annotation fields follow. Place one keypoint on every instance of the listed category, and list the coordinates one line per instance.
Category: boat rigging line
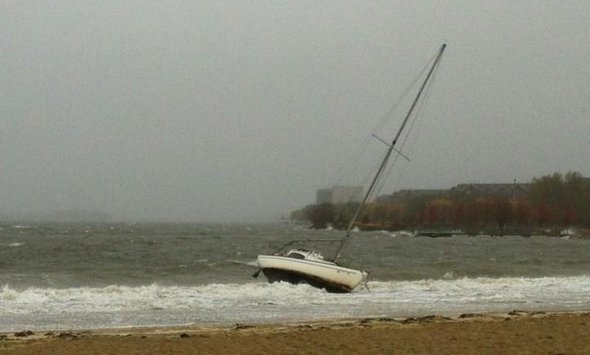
(388, 153)
(350, 164)
(418, 110)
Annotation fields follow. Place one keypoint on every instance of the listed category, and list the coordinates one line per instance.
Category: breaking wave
(300, 302)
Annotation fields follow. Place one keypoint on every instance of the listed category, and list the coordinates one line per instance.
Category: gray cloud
(240, 110)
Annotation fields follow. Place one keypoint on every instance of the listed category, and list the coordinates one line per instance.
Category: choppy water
(96, 276)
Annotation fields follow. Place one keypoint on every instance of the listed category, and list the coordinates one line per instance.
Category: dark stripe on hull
(274, 275)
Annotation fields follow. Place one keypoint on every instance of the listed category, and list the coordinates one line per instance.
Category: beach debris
(239, 326)
(365, 321)
(471, 315)
(425, 319)
(67, 335)
(537, 313)
(516, 312)
(24, 333)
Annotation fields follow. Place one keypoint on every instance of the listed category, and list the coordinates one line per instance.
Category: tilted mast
(388, 153)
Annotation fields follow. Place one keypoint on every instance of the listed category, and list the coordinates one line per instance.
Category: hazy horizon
(91, 216)
(239, 111)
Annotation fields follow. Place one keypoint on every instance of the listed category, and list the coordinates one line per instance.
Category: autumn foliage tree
(550, 202)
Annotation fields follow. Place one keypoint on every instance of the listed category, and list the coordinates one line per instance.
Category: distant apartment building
(514, 190)
(403, 195)
(339, 194)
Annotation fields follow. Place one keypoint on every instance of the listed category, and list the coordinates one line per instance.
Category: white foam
(262, 302)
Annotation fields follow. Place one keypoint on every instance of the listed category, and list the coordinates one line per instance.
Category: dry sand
(512, 333)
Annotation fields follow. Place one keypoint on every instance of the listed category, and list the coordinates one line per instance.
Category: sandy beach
(510, 333)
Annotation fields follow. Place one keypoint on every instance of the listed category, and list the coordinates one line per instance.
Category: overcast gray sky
(240, 110)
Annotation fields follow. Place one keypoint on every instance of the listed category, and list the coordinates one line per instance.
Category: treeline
(546, 205)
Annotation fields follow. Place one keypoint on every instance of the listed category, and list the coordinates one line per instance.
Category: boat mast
(388, 154)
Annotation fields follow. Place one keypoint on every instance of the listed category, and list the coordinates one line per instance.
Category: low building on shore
(409, 194)
(514, 190)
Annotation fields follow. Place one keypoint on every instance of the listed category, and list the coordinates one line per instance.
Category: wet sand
(511, 333)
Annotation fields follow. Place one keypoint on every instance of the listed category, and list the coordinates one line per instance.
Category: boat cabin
(303, 254)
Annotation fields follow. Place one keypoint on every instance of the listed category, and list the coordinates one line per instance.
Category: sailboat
(304, 266)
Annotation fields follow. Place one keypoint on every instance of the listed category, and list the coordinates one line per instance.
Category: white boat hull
(321, 274)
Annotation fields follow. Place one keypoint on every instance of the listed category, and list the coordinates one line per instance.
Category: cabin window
(296, 256)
